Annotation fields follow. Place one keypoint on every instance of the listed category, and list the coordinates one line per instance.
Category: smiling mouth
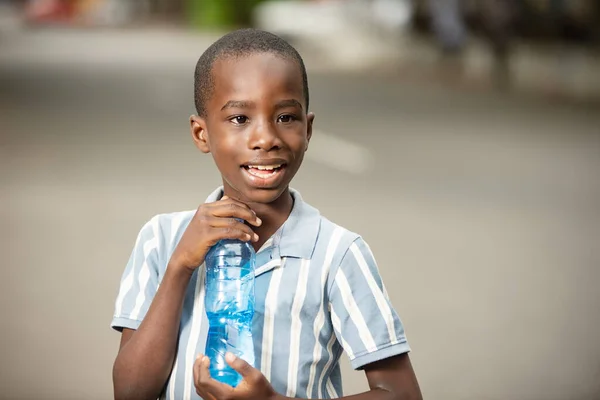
(264, 171)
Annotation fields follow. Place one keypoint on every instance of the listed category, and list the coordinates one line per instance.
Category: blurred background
(460, 138)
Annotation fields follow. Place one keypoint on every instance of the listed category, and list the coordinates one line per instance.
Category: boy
(318, 290)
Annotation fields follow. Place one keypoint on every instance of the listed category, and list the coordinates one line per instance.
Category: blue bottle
(229, 303)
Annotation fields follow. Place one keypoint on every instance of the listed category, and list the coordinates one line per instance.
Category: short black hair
(240, 43)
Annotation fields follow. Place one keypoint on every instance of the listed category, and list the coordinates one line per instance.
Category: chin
(263, 195)
(255, 189)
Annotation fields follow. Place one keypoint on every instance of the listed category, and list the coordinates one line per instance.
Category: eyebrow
(238, 104)
(249, 104)
(288, 103)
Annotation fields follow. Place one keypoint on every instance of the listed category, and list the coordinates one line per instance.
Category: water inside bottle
(229, 305)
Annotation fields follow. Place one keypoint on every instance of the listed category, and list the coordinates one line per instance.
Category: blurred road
(482, 210)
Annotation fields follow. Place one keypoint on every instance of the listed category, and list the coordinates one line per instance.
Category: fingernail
(255, 237)
(248, 236)
(229, 357)
(258, 221)
(224, 197)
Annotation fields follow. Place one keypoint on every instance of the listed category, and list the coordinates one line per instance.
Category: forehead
(260, 76)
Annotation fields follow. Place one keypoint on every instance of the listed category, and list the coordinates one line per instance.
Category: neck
(273, 214)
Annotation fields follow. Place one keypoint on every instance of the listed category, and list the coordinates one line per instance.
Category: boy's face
(256, 126)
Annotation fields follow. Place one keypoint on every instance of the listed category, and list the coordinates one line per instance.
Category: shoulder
(333, 241)
(334, 232)
(337, 240)
(339, 248)
(163, 231)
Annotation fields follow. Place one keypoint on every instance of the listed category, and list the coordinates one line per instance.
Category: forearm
(144, 363)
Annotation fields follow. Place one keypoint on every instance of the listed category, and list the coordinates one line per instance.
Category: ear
(310, 118)
(199, 133)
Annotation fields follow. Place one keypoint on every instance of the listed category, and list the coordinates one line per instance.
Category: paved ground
(483, 211)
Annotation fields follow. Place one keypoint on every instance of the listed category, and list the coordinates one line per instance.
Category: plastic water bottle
(229, 303)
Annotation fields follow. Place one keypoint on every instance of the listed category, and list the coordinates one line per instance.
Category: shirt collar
(297, 237)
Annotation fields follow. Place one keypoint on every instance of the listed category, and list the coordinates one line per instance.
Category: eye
(239, 120)
(286, 118)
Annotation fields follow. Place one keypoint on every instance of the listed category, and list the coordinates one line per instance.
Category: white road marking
(340, 154)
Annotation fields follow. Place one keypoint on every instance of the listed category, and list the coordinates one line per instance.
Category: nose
(264, 137)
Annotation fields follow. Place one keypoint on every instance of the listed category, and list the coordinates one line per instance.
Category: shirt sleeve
(139, 281)
(363, 318)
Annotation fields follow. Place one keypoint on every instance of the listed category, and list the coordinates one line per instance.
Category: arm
(390, 379)
(359, 303)
(146, 355)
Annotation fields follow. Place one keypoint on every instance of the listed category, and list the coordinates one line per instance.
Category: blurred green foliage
(207, 14)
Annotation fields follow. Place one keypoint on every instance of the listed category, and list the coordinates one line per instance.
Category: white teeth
(264, 167)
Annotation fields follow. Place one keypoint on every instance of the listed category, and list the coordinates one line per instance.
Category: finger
(246, 370)
(232, 223)
(233, 233)
(202, 365)
(235, 209)
(200, 375)
(207, 385)
(198, 370)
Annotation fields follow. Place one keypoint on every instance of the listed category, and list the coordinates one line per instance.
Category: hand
(254, 385)
(211, 223)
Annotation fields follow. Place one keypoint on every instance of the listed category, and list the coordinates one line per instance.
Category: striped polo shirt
(318, 294)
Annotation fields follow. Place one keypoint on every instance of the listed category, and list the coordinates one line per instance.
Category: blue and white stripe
(318, 294)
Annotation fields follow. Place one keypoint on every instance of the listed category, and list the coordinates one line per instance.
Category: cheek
(294, 134)
(298, 142)
(224, 145)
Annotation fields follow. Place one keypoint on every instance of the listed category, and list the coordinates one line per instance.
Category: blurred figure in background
(448, 24)
(498, 17)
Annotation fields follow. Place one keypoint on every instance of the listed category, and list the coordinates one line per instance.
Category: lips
(264, 173)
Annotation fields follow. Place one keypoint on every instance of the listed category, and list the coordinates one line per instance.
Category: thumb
(239, 365)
